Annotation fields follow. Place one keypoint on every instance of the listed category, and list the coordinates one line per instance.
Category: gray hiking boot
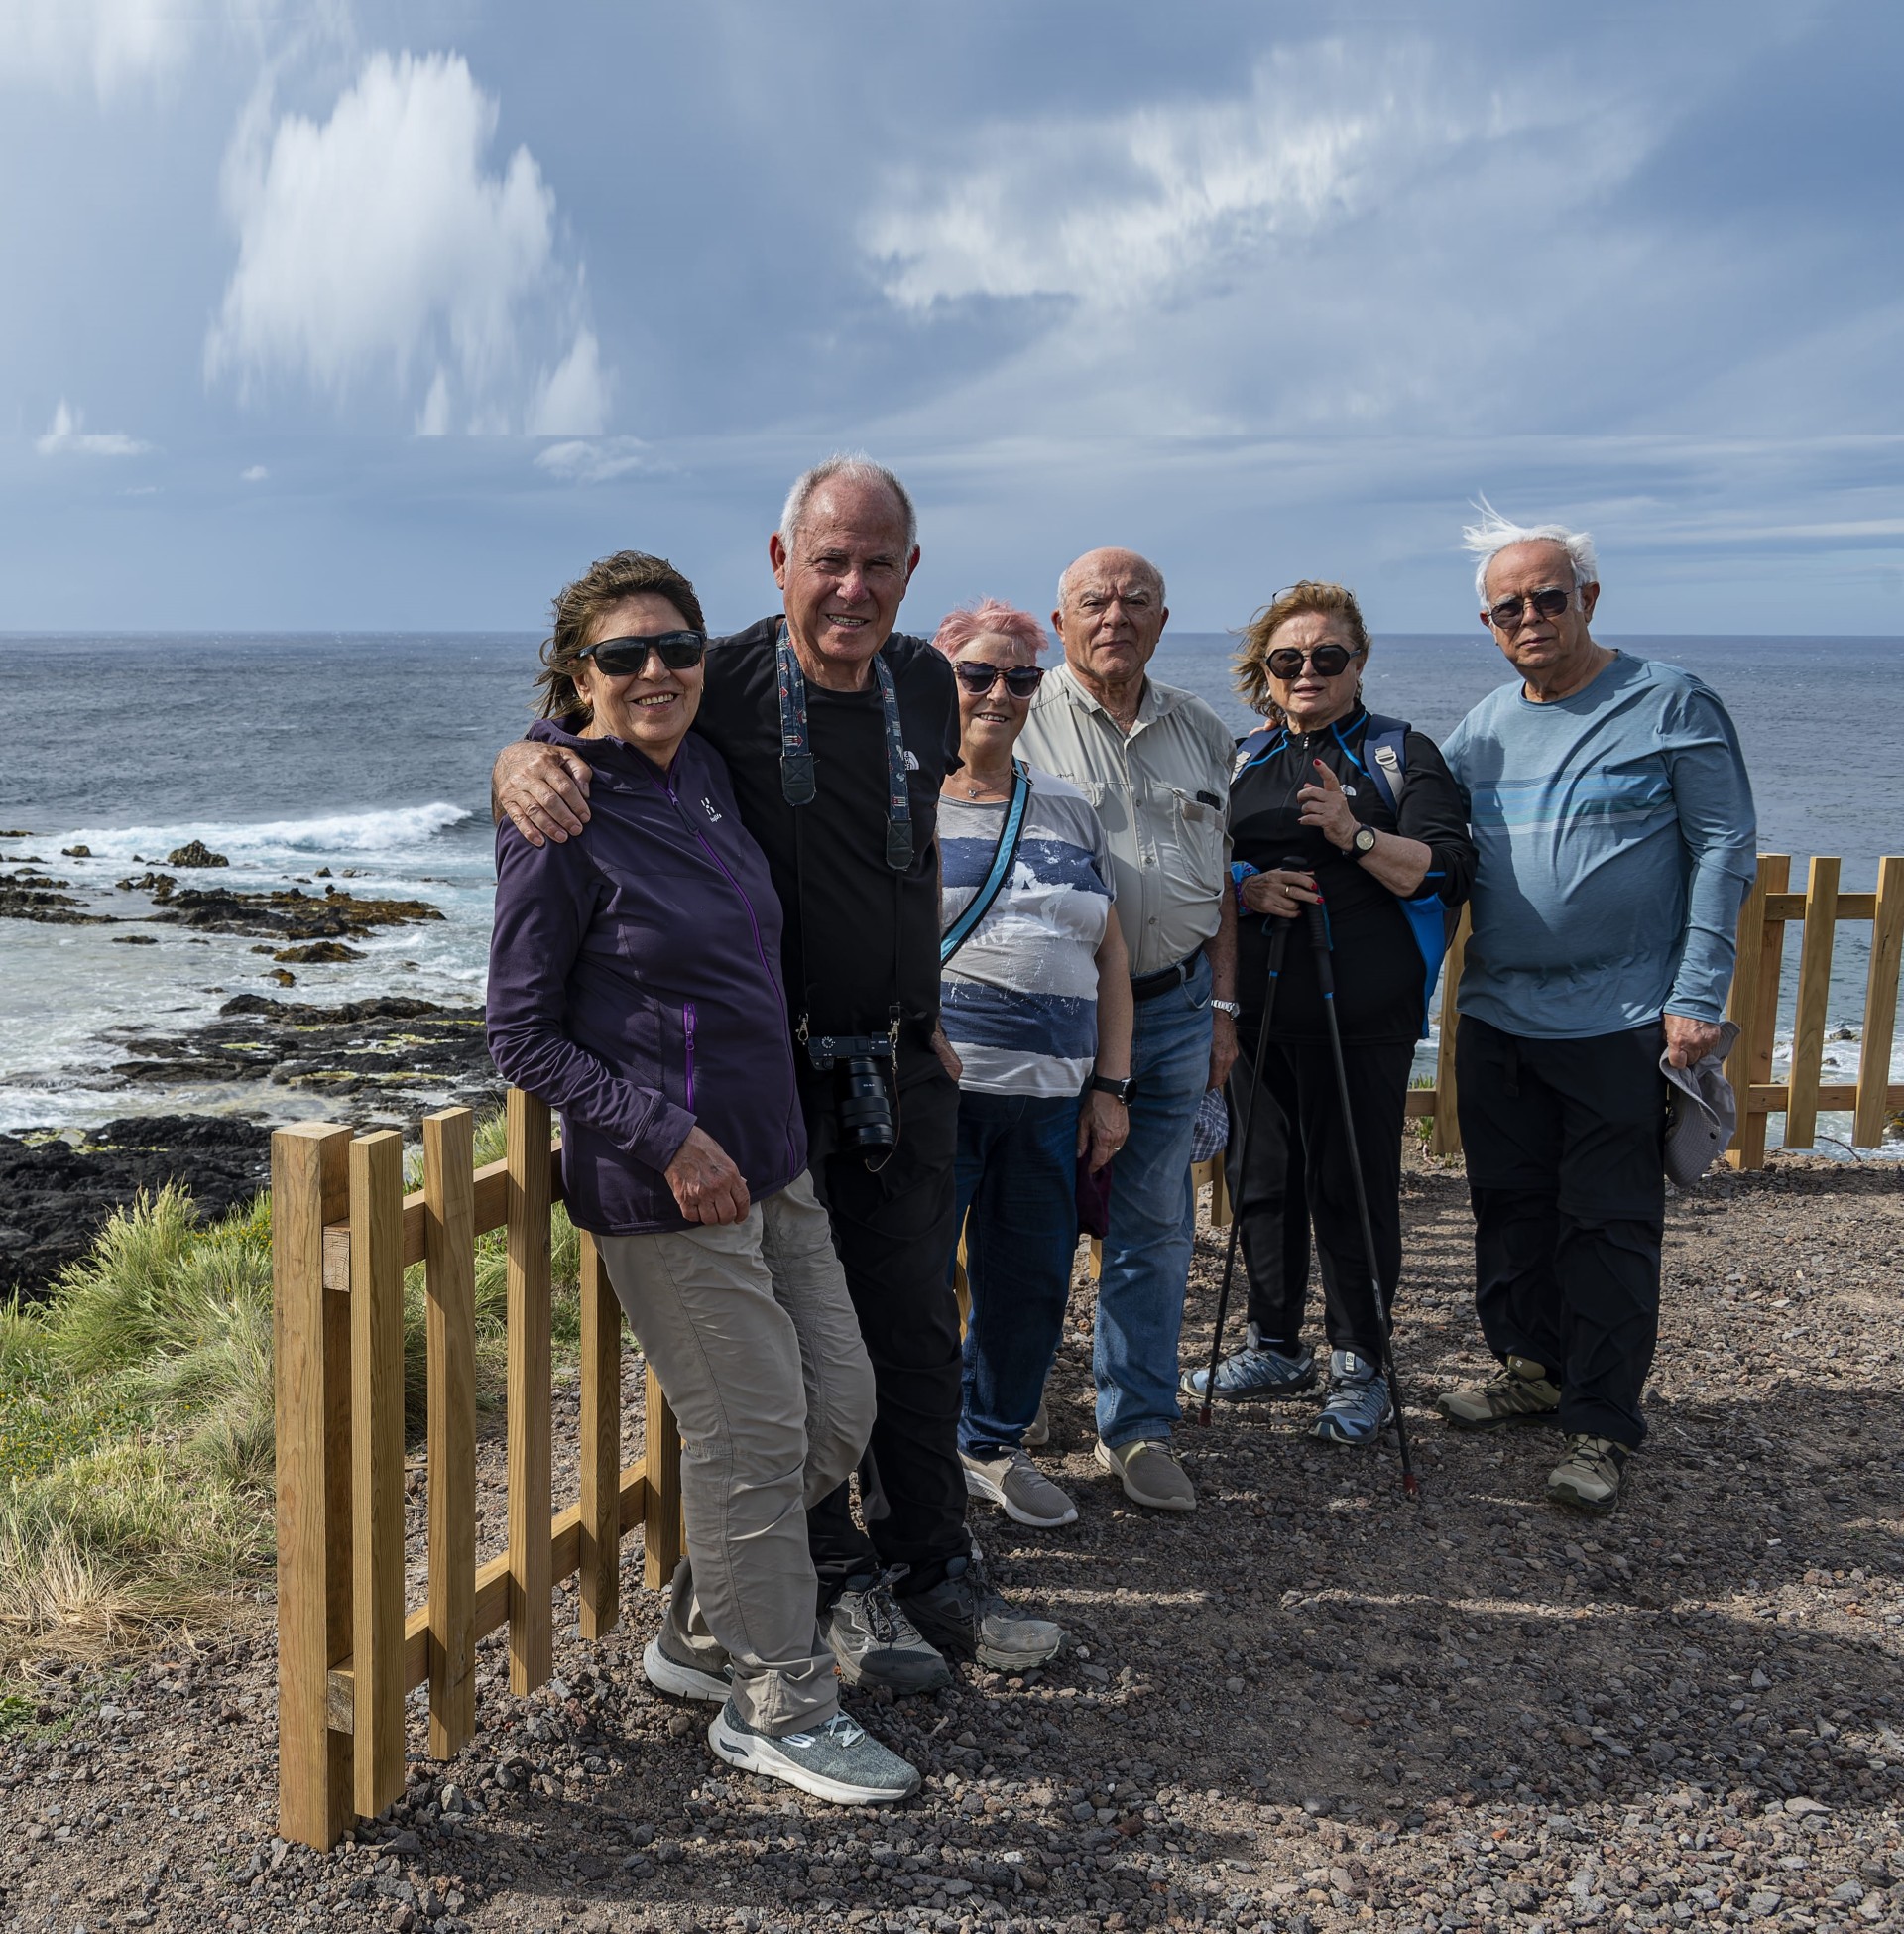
(965, 1614)
(1589, 1476)
(1520, 1392)
(839, 1760)
(1012, 1480)
(1254, 1373)
(1357, 1405)
(876, 1643)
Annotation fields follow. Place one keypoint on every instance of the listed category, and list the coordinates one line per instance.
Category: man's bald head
(1111, 614)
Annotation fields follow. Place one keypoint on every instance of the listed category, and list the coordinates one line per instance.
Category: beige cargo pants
(751, 1333)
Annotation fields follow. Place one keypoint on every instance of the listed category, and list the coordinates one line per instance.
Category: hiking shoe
(876, 1643)
(666, 1673)
(1014, 1482)
(1520, 1392)
(967, 1615)
(1038, 1435)
(1588, 1476)
(1357, 1405)
(1151, 1474)
(1254, 1373)
(839, 1760)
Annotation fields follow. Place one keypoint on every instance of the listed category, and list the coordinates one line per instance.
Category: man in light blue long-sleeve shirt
(1613, 819)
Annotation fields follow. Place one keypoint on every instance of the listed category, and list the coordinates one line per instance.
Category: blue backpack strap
(1385, 749)
(1384, 756)
(1264, 743)
(1010, 835)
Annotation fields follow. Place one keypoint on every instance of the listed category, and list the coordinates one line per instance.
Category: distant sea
(370, 755)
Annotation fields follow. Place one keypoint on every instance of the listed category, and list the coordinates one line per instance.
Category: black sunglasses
(1020, 680)
(1286, 662)
(618, 657)
(1548, 602)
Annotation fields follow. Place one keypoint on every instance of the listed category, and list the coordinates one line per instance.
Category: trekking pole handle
(1317, 922)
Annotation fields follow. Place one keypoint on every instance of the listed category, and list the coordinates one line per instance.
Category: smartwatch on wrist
(1118, 1087)
(1363, 842)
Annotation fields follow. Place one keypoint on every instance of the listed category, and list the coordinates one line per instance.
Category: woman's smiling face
(991, 721)
(650, 709)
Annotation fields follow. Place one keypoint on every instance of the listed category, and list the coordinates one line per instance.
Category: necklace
(977, 789)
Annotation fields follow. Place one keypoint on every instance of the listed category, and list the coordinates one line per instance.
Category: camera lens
(865, 1115)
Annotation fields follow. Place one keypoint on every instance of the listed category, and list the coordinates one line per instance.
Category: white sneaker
(839, 1760)
(1013, 1481)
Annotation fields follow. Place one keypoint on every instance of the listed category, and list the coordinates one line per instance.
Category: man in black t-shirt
(860, 941)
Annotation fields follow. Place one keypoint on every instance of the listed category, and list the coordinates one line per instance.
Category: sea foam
(396, 830)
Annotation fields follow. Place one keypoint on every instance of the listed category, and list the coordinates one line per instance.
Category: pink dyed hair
(957, 629)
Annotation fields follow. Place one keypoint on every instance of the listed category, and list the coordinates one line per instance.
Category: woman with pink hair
(1036, 1000)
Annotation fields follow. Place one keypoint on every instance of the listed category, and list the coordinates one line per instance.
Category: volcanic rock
(195, 852)
(290, 914)
(33, 896)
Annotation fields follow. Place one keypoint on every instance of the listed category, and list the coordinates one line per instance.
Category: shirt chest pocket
(1189, 841)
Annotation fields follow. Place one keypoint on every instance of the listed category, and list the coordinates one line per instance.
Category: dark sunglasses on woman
(1548, 602)
(618, 657)
(1286, 662)
(1020, 680)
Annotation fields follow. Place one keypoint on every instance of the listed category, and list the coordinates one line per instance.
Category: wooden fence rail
(349, 1649)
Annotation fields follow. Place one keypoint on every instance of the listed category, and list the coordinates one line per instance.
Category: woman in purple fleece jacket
(634, 984)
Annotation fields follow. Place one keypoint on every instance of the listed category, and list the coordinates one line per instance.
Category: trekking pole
(1325, 974)
(1278, 942)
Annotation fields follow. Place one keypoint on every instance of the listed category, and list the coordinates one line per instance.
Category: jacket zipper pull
(688, 1031)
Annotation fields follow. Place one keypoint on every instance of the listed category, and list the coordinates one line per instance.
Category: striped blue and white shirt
(1020, 1000)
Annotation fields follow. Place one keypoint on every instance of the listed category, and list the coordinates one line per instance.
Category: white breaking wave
(397, 830)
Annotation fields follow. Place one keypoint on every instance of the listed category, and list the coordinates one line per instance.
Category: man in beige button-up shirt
(1154, 761)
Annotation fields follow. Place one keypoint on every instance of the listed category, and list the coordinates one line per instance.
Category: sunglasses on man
(1548, 602)
(1328, 661)
(1020, 680)
(619, 657)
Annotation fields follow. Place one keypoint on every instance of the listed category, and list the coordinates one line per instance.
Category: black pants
(1299, 1177)
(1564, 1148)
(893, 1228)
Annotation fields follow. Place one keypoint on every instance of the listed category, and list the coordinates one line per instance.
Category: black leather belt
(1147, 987)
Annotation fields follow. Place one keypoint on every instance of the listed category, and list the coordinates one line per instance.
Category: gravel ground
(1310, 1706)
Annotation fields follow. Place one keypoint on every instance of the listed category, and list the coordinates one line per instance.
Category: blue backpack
(1384, 746)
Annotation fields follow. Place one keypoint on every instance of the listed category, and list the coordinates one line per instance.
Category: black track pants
(1305, 1108)
(894, 1232)
(1563, 1141)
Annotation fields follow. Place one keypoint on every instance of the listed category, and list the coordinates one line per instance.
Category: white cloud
(67, 435)
(380, 253)
(109, 42)
(254, 473)
(596, 460)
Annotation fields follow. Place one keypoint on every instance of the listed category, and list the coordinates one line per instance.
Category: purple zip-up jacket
(635, 985)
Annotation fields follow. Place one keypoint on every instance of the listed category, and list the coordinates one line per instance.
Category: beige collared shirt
(1169, 848)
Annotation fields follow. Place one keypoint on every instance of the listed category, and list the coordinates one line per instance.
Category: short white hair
(1064, 577)
(851, 466)
(1493, 534)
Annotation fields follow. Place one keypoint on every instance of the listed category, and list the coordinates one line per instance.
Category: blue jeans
(1016, 1171)
(1147, 1255)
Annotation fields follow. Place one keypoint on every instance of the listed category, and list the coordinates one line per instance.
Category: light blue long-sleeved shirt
(1617, 839)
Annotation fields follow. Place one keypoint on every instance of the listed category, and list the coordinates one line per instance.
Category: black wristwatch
(1363, 842)
(1118, 1087)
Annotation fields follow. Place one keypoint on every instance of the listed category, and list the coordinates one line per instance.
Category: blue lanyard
(798, 786)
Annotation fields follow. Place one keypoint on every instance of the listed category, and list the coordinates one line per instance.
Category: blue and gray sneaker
(1357, 1404)
(839, 1760)
(1254, 1372)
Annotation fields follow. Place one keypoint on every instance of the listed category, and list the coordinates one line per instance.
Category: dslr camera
(866, 1109)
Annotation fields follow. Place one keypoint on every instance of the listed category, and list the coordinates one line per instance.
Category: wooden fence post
(377, 1468)
(1813, 992)
(661, 1524)
(310, 1331)
(600, 1587)
(449, 1263)
(1761, 965)
(1880, 1007)
(531, 1503)
(1444, 1139)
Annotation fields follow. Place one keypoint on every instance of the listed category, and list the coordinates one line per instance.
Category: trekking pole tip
(1411, 1486)
(1203, 1415)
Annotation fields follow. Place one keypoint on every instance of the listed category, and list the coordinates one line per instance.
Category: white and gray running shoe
(666, 1673)
(876, 1643)
(1012, 1480)
(839, 1760)
(966, 1615)
(1255, 1372)
(1357, 1405)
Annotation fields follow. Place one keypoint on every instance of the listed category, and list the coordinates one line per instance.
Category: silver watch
(1233, 1008)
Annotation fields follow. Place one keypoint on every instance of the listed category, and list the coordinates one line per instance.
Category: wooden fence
(349, 1650)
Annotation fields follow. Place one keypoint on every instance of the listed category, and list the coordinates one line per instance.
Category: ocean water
(370, 754)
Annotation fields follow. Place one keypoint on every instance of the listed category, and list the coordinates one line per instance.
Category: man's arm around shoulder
(543, 787)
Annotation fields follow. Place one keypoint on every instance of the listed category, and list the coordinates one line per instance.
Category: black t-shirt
(1379, 973)
(844, 962)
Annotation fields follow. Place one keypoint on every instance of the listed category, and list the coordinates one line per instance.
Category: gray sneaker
(876, 1643)
(1520, 1392)
(1038, 1432)
(1589, 1477)
(1013, 1482)
(839, 1760)
(967, 1615)
(666, 1673)
(1149, 1472)
(1357, 1405)
(1254, 1373)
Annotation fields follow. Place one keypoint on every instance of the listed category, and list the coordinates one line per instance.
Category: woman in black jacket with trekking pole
(1381, 828)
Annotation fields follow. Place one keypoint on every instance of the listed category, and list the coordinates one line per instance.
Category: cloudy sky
(338, 314)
